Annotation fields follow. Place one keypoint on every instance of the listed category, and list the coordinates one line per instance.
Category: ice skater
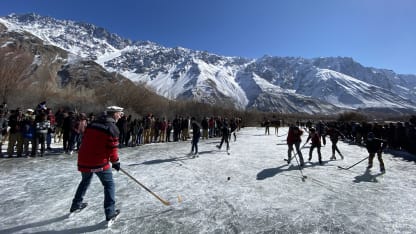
(334, 134)
(267, 127)
(294, 138)
(225, 135)
(276, 124)
(375, 146)
(315, 143)
(99, 147)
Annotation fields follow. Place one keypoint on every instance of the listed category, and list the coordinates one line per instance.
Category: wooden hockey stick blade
(147, 189)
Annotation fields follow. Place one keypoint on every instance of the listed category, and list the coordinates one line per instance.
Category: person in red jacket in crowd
(99, 147)
(294, 138)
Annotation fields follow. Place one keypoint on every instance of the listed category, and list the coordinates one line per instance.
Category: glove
(116, 165)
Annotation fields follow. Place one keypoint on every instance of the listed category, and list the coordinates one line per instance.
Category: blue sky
(377, 33)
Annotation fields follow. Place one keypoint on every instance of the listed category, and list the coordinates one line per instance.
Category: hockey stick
(150, 191)
(296, 151)
(300, 168)
(346, 168)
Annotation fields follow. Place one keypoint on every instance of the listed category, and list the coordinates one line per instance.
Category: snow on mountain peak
(275, 83)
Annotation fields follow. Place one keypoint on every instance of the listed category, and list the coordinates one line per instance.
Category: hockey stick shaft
(300, 168)
(346, 168)
(147, 189)
(299, 149)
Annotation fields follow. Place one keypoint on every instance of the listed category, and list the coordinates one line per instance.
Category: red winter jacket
(293, 135)
(99, 146)
(315, 139)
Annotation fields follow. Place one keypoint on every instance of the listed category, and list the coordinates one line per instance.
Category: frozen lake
(263, 195)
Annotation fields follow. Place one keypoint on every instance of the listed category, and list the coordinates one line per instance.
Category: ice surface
(263, 194)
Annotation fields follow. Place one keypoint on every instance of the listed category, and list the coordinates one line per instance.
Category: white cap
(30, 110)
(114, 109)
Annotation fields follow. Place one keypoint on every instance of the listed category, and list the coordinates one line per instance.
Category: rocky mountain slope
(279, 84)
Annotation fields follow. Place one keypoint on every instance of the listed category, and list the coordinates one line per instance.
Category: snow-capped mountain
(279, 84)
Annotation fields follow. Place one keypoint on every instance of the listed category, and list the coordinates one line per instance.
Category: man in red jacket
(294, 138)
(316, 143)
(99, 147)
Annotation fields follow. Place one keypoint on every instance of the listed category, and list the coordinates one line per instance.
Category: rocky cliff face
(44, 69)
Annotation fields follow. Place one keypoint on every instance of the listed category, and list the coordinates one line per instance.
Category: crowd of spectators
(31, 132)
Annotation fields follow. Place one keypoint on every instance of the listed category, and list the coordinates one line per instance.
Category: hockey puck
(228, 178)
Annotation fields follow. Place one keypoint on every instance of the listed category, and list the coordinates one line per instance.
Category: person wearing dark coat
(315, 143)
(334, 135)
(15, 136)
(168, 130)
(205, 127)
(267, 126)
(196, 134)
(3, 129)
(67, 124)
(225, 135)
(176, 126)
(375, 146)
(294, 138)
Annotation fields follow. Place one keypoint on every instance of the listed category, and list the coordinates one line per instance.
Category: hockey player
(225, 134)
(293, 138)
(375, 145)
(99, 147)
(315, 143)
(334, 134)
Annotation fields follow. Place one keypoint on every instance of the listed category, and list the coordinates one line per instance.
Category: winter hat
(113, 109)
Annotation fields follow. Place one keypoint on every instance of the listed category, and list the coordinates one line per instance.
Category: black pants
(224, 138)
(380, 159)
(318, 148)
(40, 139)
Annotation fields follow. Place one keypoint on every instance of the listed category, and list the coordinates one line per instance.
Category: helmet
(312, 129)
(370, 136)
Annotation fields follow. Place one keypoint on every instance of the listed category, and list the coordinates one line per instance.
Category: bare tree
(14, 63)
